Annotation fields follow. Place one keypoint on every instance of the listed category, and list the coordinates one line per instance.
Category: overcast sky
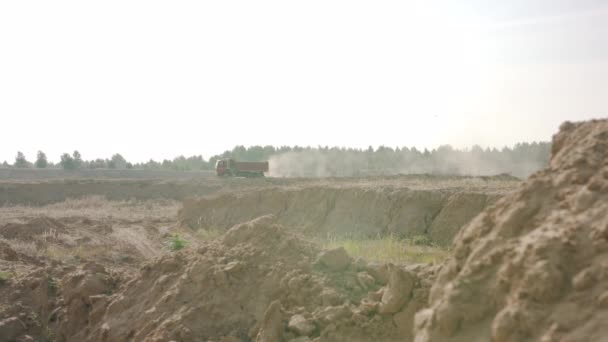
(155, 79)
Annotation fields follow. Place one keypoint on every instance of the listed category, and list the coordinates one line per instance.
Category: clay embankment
(357, 211)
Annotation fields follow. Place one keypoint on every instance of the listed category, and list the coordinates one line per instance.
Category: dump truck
(233, 168)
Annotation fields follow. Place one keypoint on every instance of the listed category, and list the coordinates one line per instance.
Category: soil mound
(257, 282)
(533, 267)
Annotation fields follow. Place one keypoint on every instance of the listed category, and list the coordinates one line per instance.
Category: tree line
(519, 160)
(69, 161)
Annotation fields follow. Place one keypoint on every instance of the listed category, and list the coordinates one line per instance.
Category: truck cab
(222, 167)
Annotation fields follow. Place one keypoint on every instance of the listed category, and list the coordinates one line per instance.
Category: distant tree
(151, 164)
(20, 161)
(77, 159)
(67, 162)
(180, 163)
(117, 162)
(41, 161)
(5, 164)
(97, 164)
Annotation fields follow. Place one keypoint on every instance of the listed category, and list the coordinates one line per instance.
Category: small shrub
(176, 242)
(4, 277)
(52, 285)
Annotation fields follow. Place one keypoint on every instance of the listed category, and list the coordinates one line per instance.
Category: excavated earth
(76, 267)
(532, 266)
(93, 269)
(401, 208)
(257, 282)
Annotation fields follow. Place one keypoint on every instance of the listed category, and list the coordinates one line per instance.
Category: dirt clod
(335, 259)
(400, 285)
(11, 328)
(300, 325)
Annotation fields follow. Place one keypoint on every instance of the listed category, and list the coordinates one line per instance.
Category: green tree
(77, 159)
(117, 162)
(20, 161)
(41, 161)
(98, 164)
(67, 162)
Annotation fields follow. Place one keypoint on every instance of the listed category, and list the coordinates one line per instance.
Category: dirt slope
(534, 267)
(343, 211)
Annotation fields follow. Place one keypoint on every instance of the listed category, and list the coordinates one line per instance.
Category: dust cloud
(520, 162)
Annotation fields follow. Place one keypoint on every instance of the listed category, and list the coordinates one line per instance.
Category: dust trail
(443, 161)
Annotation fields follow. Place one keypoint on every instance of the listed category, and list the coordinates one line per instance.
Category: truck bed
(252, 166)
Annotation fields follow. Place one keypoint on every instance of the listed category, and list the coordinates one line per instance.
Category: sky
(157, 79)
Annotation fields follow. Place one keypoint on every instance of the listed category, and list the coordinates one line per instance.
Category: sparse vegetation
(4, 277)
(52, 286)
(387, 248)
(175, 242)
(421, 240)
(208, 234)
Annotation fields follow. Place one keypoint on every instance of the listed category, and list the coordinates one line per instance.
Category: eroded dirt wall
(343, 211)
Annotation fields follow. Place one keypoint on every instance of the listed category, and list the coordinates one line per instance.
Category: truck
(233, 168)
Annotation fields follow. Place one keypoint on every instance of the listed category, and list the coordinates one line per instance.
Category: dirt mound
(257, 282)
(34, 226)
(534, 267)
(343, 211)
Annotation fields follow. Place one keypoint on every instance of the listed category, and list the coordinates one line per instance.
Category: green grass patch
(4, 277)
(52, 286)
(389, 249)
(175, 242)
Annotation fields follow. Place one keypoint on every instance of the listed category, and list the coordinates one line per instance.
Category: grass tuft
(175, 242)
(389, 249)
(4, 277)
(52, 286)
(208, 234)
